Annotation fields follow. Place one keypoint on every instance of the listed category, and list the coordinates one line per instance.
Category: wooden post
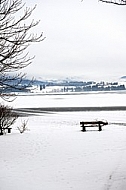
(9, 130)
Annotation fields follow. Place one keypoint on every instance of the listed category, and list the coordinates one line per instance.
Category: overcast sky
(83, 39)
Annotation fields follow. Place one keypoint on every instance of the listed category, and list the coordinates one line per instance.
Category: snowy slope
(54, 154)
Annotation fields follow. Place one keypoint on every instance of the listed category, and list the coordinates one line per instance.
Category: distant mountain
(29, 82)
(123, 77)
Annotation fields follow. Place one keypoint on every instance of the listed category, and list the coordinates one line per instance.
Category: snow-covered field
(54, 154)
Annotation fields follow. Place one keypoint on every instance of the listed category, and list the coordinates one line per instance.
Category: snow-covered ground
(54, 154)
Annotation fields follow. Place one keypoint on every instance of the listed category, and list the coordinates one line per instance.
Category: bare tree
(15, 37)
(116, 2)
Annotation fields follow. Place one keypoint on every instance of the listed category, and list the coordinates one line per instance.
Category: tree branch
(119, 2)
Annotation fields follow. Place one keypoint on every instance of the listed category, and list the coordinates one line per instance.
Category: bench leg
(100, 127)
(83, 128)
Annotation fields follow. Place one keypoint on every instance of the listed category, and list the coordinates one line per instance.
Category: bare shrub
(7, 118)
(23, 127)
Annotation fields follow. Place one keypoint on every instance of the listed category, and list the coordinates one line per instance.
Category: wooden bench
(8, 130)
(98, 124)
(5, 130)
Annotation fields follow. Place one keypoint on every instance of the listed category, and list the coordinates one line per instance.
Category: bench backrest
(93, 122)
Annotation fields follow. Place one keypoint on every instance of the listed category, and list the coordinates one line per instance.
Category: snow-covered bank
(55, 154)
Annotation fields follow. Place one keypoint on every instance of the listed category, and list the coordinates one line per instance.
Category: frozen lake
(69, 100)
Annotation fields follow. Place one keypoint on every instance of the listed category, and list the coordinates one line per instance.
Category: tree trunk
(1, 130)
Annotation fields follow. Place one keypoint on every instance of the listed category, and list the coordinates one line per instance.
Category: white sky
(83, 39)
